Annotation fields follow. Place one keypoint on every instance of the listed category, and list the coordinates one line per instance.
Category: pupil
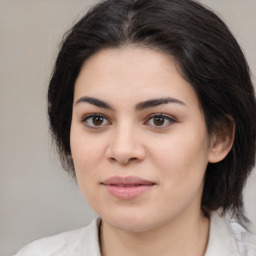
(158, 121)
(97, 120)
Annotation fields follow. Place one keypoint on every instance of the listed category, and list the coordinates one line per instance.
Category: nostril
(123, 161)
(112, 159)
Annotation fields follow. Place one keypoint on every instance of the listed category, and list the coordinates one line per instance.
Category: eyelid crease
(84, 117)
(162, 115)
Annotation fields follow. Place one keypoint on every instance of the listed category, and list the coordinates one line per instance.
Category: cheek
(85, 161)
(182, 167)
(86, 150)
(183, 156)
(88, 153)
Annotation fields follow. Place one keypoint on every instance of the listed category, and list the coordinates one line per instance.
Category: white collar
(221, 239)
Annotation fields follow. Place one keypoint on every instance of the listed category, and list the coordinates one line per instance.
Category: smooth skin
(134, 115)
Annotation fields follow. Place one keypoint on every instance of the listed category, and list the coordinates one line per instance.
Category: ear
(222, 140)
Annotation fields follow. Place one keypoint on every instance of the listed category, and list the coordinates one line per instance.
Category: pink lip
(127, 187)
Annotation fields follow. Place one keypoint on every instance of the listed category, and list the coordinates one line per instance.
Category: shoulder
(83, 241)
(229, 237)
(244, 237)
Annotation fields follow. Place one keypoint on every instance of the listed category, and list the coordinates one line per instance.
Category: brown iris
(158, 120)
(97, 120)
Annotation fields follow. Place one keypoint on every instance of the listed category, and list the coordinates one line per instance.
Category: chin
(131, 226)
(134, 222)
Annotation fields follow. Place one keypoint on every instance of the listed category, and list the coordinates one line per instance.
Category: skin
(172, 151)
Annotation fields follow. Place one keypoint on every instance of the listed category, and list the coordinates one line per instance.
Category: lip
(127, 187)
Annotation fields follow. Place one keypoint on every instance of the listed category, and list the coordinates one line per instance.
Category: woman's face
(138, 139)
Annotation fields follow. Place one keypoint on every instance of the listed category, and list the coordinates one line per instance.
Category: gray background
(37, 198)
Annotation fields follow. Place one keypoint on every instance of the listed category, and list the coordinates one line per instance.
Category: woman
(152, 108)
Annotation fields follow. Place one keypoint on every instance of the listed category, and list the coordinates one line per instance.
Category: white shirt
(226, 238)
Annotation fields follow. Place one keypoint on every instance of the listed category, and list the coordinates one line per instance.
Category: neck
(184, 236)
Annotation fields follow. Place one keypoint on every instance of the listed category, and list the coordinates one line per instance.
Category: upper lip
(129, 180)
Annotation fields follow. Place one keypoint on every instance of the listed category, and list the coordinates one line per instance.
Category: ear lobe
(222, 141)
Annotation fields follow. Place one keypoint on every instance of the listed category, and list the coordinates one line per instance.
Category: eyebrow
(95, 102)
(157, 102)
(140, 106)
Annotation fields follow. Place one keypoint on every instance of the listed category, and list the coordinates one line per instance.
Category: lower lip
(127, 192)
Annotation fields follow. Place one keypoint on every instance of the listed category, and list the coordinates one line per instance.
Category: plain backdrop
(37, 198)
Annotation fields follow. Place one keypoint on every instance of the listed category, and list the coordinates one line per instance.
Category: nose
(125, 146)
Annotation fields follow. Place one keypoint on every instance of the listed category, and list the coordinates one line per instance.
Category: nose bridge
(124, 137)
(125, 144)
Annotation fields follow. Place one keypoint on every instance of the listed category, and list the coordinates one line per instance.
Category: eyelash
(86, 119)
(168, 120)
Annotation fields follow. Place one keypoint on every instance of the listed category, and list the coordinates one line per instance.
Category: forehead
(134, 74)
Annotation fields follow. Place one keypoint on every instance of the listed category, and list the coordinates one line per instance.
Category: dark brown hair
(209, 58)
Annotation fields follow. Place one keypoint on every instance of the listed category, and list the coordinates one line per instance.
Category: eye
(160, 120)
(95, 121)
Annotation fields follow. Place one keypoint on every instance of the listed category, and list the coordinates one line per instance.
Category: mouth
(127, 187)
